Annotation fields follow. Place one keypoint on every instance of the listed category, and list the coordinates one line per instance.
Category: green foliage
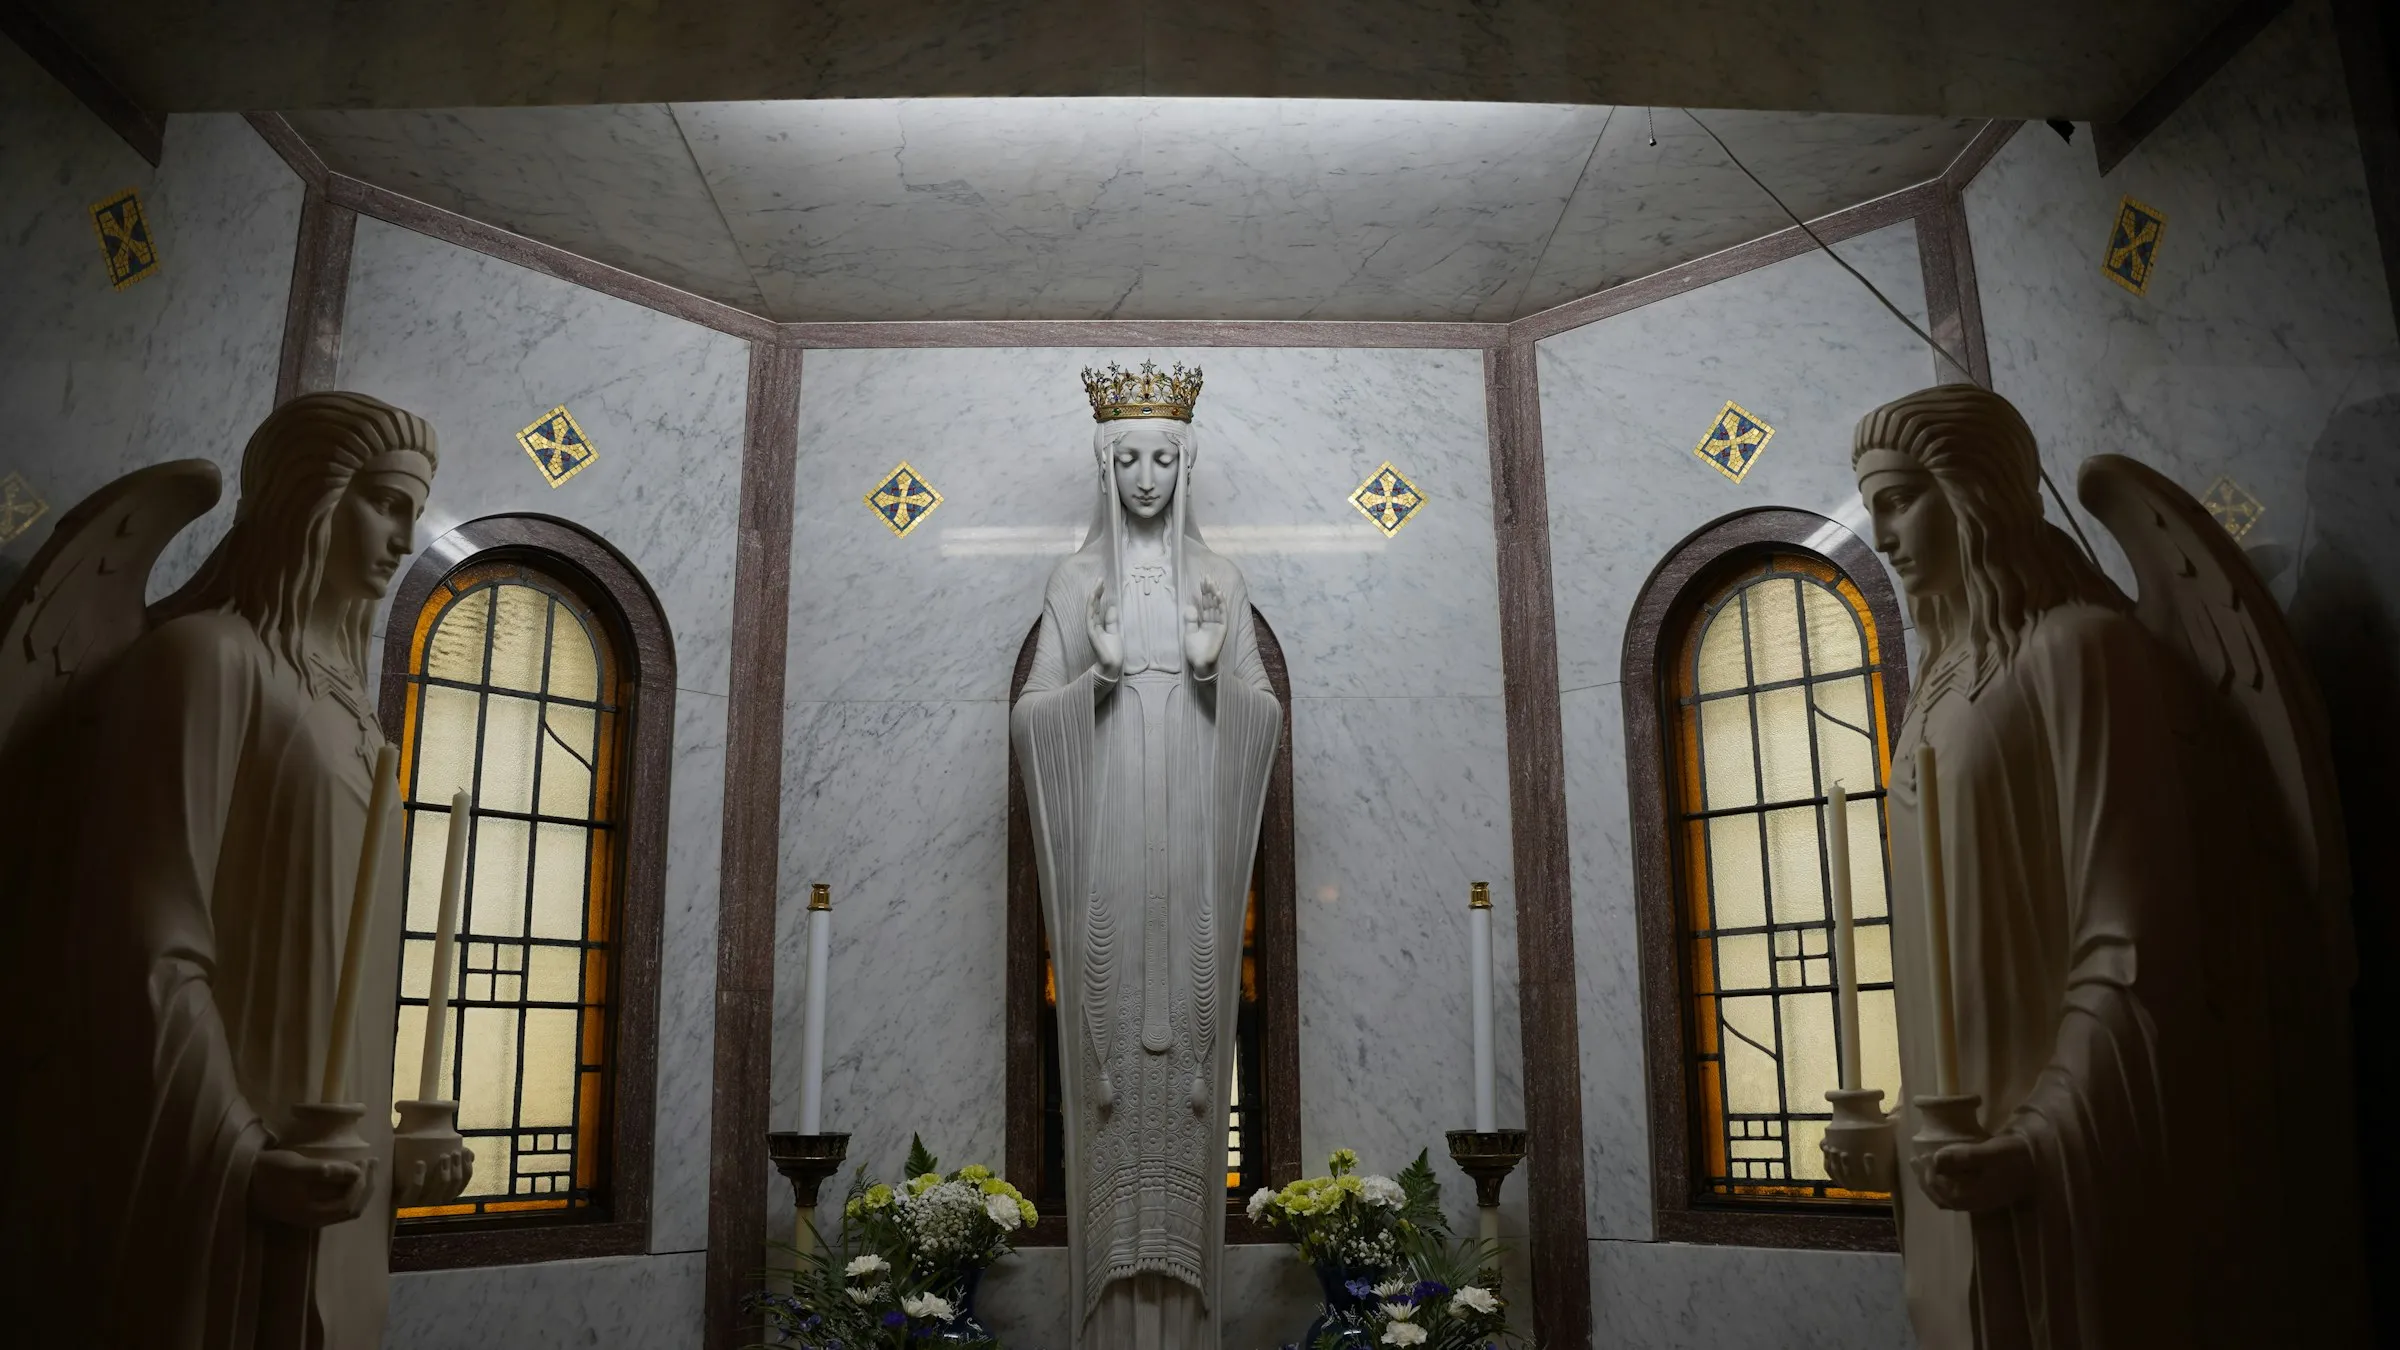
(919, 1161)
(1422, 1210)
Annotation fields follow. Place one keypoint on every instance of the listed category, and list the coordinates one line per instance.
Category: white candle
(445, 935)
(1479, 967)
(812, 1027)
(362, 909)
(1845, 939)
(1937, 925)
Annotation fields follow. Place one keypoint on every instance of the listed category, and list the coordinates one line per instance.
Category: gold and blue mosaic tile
(19, 508)
(2133, 245)
(1734, 441)
(125, 242)
(1388, 499)
(903, 498)
(2234, 506)
(558, 446)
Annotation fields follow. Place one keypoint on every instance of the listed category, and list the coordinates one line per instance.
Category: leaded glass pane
(1779, 700)
(512, 696)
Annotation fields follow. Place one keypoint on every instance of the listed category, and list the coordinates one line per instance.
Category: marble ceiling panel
(614, 183)
(1152, 208)
(1642, 208)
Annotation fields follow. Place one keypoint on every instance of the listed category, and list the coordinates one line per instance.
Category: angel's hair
(2013, 565)
(295, 470)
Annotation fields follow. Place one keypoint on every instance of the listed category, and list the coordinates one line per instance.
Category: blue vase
(963, 1328)
(1333, 1283)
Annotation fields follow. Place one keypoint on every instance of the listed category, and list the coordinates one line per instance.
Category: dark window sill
(1839, 1230)
(437, 1250)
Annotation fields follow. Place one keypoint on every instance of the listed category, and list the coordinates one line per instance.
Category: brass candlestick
(1488, 1156)
(806, 1160)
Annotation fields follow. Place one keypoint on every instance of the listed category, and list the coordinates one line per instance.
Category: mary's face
(374, 531)
(1146, 462)
(1915, 529)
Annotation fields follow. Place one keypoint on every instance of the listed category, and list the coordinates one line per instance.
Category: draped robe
(176, 947)
(2141, 994)
(1146, 799)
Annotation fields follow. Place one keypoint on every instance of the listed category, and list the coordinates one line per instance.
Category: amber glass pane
(1777, 696)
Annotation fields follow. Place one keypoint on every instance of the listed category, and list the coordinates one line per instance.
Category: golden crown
(1147, 392)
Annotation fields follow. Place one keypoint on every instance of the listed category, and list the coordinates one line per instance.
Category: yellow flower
(878, 1196)
(1025, 1207)
(974, 1173)
(1342, 1161)
(920, 1185)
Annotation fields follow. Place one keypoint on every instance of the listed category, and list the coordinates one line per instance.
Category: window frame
(1668, 602)
(1278, 977)
(577, 561)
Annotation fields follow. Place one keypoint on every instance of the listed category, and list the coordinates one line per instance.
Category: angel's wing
(2203, 598)
(80, 601)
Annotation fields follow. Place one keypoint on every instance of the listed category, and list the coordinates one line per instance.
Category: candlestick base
(328, 1132)
(806, 1160)
(1942, 1121)
(1488, 1156)
(425, 1148)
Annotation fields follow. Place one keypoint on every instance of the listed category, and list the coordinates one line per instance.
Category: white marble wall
(896, 730)
(1804, 347)
(481, 348)
(2266, 321)
(96, 381)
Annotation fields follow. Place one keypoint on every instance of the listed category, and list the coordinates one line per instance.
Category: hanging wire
(1876, 291)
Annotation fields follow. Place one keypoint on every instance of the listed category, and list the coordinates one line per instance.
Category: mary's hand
(1204, 631)
(1100, 625)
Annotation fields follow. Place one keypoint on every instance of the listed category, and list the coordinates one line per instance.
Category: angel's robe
(192, 867)
(2140, 993)
(1146, 799)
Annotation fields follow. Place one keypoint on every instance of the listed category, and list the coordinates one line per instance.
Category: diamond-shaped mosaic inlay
(1733, 442)
(125, 242)
(558, 446)
(2233, 506)
(2133, 245)
(1388, 499)
(19, 508)
(903, 498)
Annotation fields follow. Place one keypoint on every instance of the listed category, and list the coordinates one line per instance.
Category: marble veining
(1608, 977)
(181, 364)
(687, 961)
(613, 182)
(620, 1302)
(1678, 1296)
(2263, 324)
(1285, 435)
(1800, 344)
(481, 347)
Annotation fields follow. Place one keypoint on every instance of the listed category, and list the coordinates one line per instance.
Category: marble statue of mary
(1146, 733)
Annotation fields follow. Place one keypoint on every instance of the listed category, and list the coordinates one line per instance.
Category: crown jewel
(1147, 392)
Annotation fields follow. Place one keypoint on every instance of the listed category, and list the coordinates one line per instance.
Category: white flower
(1404, 1333)
(1004, 1212)
(1392, 1288)
(932, 1307)
(1382, 1191)
(1399, 1312)
(1476, 1298)
(869, 1265)
(1260, 1200)
(872, 1293)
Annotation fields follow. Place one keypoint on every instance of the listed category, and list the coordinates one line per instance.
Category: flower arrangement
(1352, 1221)
(1442, 1298)
(906, 1265)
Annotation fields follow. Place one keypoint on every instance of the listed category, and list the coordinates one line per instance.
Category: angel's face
(1914, 529)
(1145, 464)
(374, 531)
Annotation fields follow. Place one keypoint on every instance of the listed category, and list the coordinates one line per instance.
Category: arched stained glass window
(1778, 695)
(1762, 666)
(514, 696)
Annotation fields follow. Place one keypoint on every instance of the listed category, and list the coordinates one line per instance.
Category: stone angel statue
(2146, 912)
(183, 798)
(1146, 734)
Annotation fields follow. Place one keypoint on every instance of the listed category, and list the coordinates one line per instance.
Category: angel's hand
(1988, 1174)
(1204, 631)
(1100, 624)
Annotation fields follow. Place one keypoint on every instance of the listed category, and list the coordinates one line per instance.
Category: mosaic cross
(2234, 506)
(2133, 245)
(19, 508)
(903, 498)
(1734, 441)
(1388, 499)
(558, 446)
(125, 242)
